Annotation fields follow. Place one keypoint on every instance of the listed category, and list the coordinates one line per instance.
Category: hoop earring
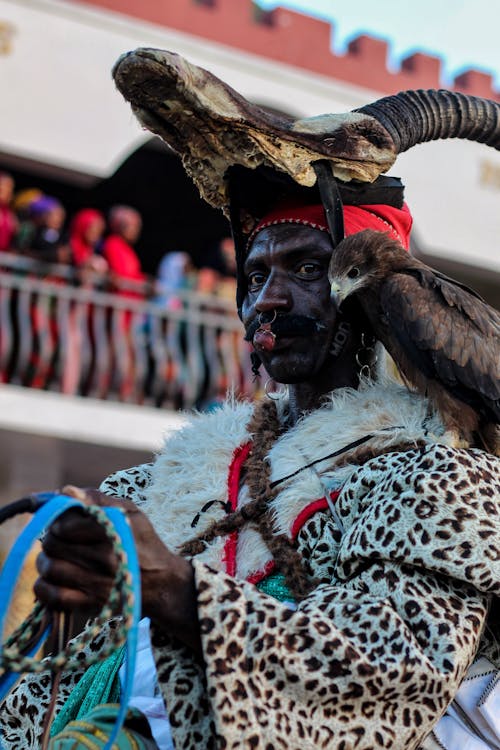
(264, 338)
(267, 322)
(275, 395)
(366, 352)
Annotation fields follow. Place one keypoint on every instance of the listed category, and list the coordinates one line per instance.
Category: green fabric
(99, 684)
(93, 732)
(274, 585)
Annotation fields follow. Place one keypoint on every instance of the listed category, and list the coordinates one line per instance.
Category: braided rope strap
(125, 599)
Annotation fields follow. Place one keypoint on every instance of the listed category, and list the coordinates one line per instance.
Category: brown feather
(444, 339)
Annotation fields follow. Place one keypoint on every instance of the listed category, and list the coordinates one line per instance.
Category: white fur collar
(385, 410)
(192, 469)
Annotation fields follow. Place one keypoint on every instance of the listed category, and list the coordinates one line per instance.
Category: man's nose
(274, 295)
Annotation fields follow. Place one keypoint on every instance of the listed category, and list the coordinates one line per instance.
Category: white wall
(59, 103)
(85, 420)
(59, 106)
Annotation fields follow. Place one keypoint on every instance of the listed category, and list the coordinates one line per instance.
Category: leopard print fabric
(23, 710)
(373, 656)
(130, 484)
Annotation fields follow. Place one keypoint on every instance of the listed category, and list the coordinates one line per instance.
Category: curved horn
(413, 117)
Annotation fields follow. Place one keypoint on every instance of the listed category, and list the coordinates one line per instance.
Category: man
(307, 562)
(340, 604)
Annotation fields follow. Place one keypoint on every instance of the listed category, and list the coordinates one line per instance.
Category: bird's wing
(447, 334)
(458, 295)
(454, 282)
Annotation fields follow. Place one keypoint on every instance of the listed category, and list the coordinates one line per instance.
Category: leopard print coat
(407, 558)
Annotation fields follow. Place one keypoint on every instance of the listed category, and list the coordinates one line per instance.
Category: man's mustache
(287, 325)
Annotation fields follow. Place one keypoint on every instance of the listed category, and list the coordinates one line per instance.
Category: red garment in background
(8, 226)
(123, 261)
(81, 249)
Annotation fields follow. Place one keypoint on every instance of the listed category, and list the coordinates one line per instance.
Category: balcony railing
(64, 330)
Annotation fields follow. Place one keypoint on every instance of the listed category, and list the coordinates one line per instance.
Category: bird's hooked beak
(337, 293)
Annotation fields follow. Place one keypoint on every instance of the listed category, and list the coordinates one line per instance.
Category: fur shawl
(189, 479)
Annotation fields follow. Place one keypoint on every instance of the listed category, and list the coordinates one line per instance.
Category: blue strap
(122, 528)
(54, 506)
(22, 546)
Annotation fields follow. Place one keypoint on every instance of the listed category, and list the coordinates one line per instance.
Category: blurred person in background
(8, 220)
(227, 283)
(125, 225)
(228, 253)
(218, 274)
(49, 242)
(85, 234)
(207, 280)
(128, 281)
(21, 204)
(174, 274)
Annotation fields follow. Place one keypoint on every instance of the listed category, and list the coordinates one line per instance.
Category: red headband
(395, 221)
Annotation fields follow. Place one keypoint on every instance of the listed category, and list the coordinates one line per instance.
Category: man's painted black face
(286, 274)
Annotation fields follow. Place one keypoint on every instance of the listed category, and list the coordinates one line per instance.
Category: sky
(464, 33)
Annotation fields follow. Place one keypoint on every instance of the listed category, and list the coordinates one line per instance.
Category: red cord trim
(240, 455)
(261, 574)
(306, 513)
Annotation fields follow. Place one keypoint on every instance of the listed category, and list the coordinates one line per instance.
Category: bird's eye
(353, 273)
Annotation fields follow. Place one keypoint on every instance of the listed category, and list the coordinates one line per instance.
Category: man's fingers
(62, 584)
(77, 565)
(77, 492)
(65, 572)
(66, 599)
(91, 496)
(73, 526)
(97, 555)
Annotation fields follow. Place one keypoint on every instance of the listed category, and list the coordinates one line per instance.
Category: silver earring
(267, 322)
(275, 395)
(366, 356)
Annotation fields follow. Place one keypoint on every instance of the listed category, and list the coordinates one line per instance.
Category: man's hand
(77, 568)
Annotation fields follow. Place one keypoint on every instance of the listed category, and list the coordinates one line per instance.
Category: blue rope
(51, 507)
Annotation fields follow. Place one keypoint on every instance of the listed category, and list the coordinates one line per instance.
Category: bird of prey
(443, 338)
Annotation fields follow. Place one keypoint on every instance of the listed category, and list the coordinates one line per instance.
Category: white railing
(64, 330)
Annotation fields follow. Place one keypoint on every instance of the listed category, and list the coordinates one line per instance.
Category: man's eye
(256, 279)
(308, 269)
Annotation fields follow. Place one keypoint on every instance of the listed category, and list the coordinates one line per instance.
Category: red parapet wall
(299, 40)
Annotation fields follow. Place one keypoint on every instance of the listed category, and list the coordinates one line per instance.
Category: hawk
(443, 338)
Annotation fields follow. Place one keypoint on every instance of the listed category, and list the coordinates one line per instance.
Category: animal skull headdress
(243, 158)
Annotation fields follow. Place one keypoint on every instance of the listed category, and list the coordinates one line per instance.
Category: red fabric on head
(395, 221)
